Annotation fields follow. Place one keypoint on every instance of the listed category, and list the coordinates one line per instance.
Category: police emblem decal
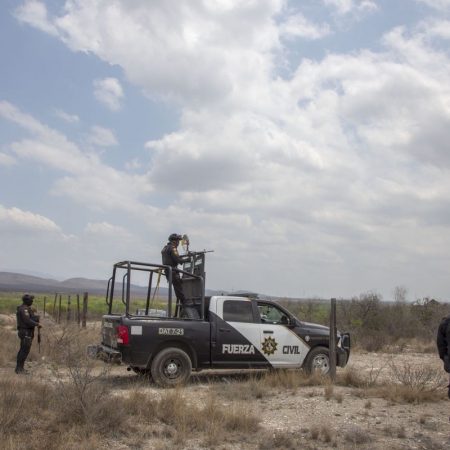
(269, 346)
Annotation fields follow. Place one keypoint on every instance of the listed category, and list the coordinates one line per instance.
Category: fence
(67, 307)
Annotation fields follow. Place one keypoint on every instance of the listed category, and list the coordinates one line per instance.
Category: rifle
(201, 252)
(36, 317)
(39, 339)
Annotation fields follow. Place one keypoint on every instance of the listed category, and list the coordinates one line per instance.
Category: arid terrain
(389, 400)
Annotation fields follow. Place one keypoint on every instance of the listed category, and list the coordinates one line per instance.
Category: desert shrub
(281, 439)
(418, 377)
(375, 324)
(357, 435)
(327, 433)
(350, 377)
(409, 383)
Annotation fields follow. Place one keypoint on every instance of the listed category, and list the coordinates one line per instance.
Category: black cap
(175, 237)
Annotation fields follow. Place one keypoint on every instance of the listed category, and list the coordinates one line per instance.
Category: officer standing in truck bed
(171, 257)
(27, 321)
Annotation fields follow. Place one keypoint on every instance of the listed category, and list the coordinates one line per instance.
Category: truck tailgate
(109, 330)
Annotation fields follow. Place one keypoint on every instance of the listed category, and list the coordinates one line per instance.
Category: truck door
(278, 342)
(237, 334)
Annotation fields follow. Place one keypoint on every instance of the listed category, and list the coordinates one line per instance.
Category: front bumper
(106, 354)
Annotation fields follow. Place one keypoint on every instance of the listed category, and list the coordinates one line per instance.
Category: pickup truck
(226, 332)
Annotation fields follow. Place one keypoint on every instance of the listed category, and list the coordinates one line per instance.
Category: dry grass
(292, 379)
(9, 347)
(324, 433)
(404, 394)
(328, 392)
(213, 420)
(266, 384)
(356, 435)
(350, 377)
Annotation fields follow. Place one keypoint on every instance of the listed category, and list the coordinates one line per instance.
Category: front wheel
(171, 366)
(318, 361)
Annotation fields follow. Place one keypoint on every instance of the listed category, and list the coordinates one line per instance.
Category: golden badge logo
(269, 346)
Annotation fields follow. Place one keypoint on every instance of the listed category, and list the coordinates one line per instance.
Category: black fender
(178, 344)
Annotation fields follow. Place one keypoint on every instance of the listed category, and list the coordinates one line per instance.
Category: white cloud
(440, 5)
(17, 219)
(176, 46)
(106, 229)
(91, 182)
(69, 118)
(436, 29)
(102, 137)
(134, 164)
(6, 160)
(299, 26)
(34, 12)
(343, 7)
(109, 92)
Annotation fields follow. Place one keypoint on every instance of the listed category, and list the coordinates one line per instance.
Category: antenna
(185, 243)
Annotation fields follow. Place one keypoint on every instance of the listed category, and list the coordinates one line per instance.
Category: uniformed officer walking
(443, 345)
(171, 257)
(27, 321)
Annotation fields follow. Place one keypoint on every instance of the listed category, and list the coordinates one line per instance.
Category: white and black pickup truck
(226, 332)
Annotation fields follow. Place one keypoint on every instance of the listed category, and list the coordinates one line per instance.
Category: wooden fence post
(45, 303)
(69, 311)
(54, 305)
(85, 308)
(59, 309)
(332, 346)
(78, 309)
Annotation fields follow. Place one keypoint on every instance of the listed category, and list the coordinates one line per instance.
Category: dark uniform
(27, 321)
(443, 345)
(170, 257)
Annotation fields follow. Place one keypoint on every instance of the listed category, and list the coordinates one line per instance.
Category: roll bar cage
(192, 277)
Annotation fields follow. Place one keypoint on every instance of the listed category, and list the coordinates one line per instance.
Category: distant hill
(17, 282)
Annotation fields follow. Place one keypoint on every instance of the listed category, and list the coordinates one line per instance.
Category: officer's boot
(20, 366)
(20, 371)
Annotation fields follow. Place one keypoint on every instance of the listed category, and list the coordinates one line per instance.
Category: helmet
(27, 299)
(175, 237)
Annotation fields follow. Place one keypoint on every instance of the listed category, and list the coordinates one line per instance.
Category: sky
(305, 142)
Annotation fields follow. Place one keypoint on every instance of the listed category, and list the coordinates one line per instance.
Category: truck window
(271, 314)
(237, 311)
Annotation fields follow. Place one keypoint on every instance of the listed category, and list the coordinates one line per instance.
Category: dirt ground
(309, 417)
(345, 419)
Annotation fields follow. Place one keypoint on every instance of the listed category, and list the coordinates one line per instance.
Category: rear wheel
(318, 361)
(171, 366)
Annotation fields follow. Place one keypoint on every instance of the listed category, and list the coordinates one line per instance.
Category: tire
(170, 367)
(318, 361)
